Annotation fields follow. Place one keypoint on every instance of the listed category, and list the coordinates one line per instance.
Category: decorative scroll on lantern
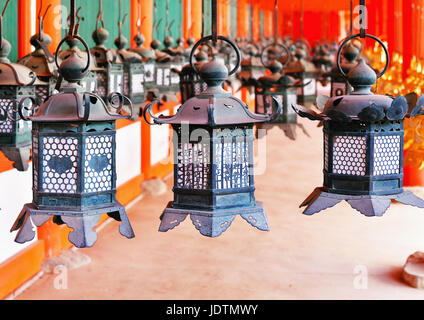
(213, 150)
(363, 145)
(73, 138)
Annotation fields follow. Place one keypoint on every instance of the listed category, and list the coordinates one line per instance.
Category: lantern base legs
(213, 223)
(81, 223)
(369, 205)
(19, 155)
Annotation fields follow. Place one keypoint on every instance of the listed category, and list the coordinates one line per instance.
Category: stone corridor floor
(335, 254)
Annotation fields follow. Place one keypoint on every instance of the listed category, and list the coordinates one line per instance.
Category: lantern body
(339, 86)
(14, 132)
(251, 68)
(74, 166)
(134, 82)
(109, 79)
(363, 158)
(191, 84)
(307, 92)
(213, 165)
(213, 173)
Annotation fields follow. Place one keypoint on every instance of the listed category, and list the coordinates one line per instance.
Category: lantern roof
(69, 105)
(214, 106)
(14, 74)
(361, 104)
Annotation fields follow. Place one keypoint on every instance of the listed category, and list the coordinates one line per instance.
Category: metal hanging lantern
(191, 84)
(133, 66)
(305, 71)
(213, 154)
(74, 176)
(251, 67)
(110, 70)
(16, 81)
(41, 61)
(89, 82)
(281, 88)
(363, 145)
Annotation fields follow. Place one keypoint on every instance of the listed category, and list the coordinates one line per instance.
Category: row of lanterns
(73, 133)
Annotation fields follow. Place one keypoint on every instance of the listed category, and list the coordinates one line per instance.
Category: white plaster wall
(159, 139)
(15, 191)
(128, 153)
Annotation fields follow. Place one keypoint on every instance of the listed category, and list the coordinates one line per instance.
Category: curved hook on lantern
(366, 36)
(225, 39)
(21, 108)
(119, 107)
(278, 112)
(84, 44)
(148, 109)
(289, 56)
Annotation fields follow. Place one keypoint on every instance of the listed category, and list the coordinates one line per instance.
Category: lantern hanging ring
(225, 39)
(273, 46)
(84, 44)
(365, 36)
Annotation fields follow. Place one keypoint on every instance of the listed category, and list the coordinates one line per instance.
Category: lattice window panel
(326, 151)
(149, 72)
(42, 92)
(349, 155)
(60, 164)
(126, 83)
(193, 169)
(35, 160)
(101, 81)
(175, 78)
(137, 83)
(386, 155)
(232, 164)
(98, 163)
(115, 82)
(6, 125)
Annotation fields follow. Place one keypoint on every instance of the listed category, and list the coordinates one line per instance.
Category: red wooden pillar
(144, 10)
(391, 26)
(408, 35)
(24, 28)
(52, 23)
(242, 16)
